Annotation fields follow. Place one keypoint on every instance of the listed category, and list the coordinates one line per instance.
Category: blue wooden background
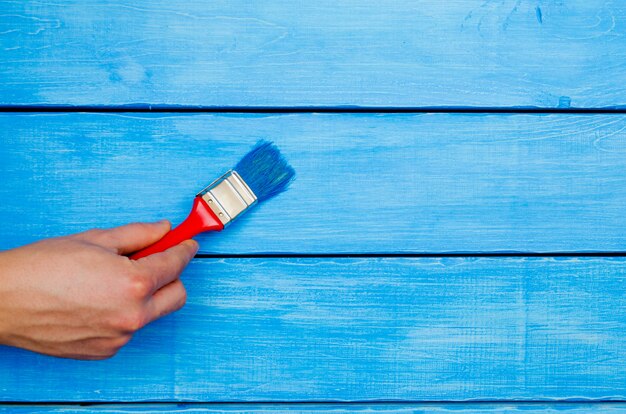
(433, 260)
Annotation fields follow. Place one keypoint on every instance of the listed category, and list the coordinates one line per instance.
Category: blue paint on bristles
(265, 170)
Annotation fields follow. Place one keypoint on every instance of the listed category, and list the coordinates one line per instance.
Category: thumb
(128, 238)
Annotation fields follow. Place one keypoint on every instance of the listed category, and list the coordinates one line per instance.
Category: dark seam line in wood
(305, 109)
(400, 255)
(318, 402)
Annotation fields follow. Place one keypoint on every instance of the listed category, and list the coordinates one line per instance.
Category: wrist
(4, 317)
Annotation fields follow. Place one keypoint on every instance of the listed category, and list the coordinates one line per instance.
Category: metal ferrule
(228, 196)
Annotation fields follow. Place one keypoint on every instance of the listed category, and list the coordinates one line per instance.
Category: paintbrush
(260, 175)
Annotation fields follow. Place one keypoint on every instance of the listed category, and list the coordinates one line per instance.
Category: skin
(80, 297)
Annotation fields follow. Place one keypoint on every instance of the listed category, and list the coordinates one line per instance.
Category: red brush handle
(200, 219)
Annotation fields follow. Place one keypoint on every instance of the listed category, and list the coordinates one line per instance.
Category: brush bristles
(265, 170)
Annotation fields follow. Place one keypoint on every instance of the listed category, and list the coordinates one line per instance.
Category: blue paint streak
(565, 102)
(539, 15)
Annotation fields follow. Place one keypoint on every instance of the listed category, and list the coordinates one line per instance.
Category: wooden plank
(241, 53)
(413, 329)
(456, 408)
(393, 183)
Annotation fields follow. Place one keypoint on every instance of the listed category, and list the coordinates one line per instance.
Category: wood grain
(367, 183)
(416, 329)
(456, 408)
(482, 53)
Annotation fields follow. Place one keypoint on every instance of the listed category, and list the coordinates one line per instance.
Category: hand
(80, 297)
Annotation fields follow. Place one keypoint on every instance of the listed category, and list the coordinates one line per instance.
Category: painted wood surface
(417, 329)
(367, 183)
(456, 408)
(239, 53)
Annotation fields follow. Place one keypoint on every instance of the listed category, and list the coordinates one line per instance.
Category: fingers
(166, 300)
(165, 267)
(129, 238)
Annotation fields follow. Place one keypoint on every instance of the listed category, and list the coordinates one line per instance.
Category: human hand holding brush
(83, 297)
(80, 297)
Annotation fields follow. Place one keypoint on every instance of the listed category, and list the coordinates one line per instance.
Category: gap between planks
(416, 255)
(336, 408)
(146, 108)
